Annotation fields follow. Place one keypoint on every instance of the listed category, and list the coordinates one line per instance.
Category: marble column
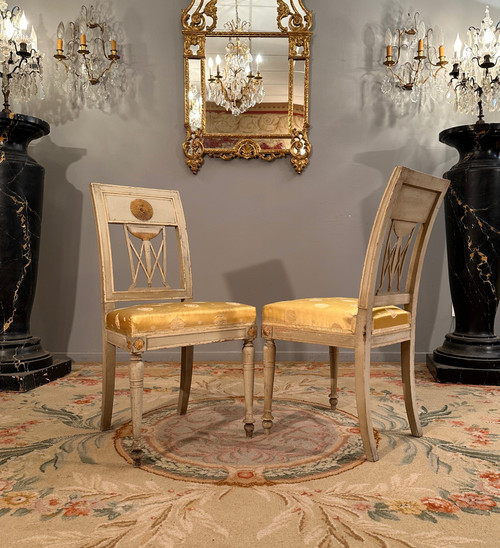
(471, 353)
(24, 364)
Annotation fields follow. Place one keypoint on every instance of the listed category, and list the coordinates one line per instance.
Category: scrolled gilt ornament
(197, 20)
(296, 21)
(283, 11)
(191, 40)
(300, 149)
(193, 149)
(270, 156)
(247, 149)
(299, 41)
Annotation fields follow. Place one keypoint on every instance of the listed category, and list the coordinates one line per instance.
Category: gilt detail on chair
(141, 209)
(138, 345)
(399, 238)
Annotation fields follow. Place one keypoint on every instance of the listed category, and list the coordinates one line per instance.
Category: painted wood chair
(147, 223)
(385, 311)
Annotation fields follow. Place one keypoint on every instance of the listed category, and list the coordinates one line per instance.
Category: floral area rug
(63, 483)
(209, 445)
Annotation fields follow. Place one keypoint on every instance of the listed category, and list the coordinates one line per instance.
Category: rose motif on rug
(208, 444)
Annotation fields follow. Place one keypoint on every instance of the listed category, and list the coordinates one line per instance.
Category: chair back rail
(145, 215)
(399, 238)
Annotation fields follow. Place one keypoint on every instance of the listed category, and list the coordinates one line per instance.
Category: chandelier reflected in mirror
(414, 62)
(475, 77)
(20, 62)
(195, 107)
(235, 87)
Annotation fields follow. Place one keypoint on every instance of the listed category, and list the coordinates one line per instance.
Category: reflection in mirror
(234, 78)
(246, 80)
(260, 14)
(273, 70)
(299, 94)
(194, 95)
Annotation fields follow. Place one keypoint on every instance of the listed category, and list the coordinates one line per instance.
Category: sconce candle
(457, 47)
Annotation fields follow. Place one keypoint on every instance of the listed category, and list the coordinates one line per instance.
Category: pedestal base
(473, 374)
(22, 382)
(471, 354)
(24, 365)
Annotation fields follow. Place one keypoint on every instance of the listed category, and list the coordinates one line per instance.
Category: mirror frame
(199, 20)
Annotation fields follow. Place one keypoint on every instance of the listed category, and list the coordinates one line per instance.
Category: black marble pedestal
(24, 364)
(471, 354)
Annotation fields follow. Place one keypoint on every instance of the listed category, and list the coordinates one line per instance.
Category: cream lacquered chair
(385, 311)
(167, 316)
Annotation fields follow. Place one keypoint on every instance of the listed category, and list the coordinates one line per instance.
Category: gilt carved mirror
(246, 80)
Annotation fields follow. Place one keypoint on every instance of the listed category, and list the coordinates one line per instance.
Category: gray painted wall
(258, 231)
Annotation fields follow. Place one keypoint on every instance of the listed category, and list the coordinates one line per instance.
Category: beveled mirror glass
(246, 80)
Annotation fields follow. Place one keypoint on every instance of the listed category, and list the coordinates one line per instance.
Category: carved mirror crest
(246, 80)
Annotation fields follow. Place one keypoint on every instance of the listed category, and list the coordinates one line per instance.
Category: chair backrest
(146, 216)
(399, 238)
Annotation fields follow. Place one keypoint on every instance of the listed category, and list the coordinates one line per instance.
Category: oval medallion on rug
(208, 444)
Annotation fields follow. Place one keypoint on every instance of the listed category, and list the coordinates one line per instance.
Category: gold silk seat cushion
(335, 314)
(171, 317)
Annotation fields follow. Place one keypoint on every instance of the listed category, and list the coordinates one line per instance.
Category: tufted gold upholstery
(334, 314)
(160, 317)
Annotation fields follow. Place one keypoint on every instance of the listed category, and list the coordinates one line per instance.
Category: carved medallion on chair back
(152, 228)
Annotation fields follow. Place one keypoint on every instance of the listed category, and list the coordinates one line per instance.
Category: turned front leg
(136, 375)
(334, 375)
(248, 385)
(269, 365)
